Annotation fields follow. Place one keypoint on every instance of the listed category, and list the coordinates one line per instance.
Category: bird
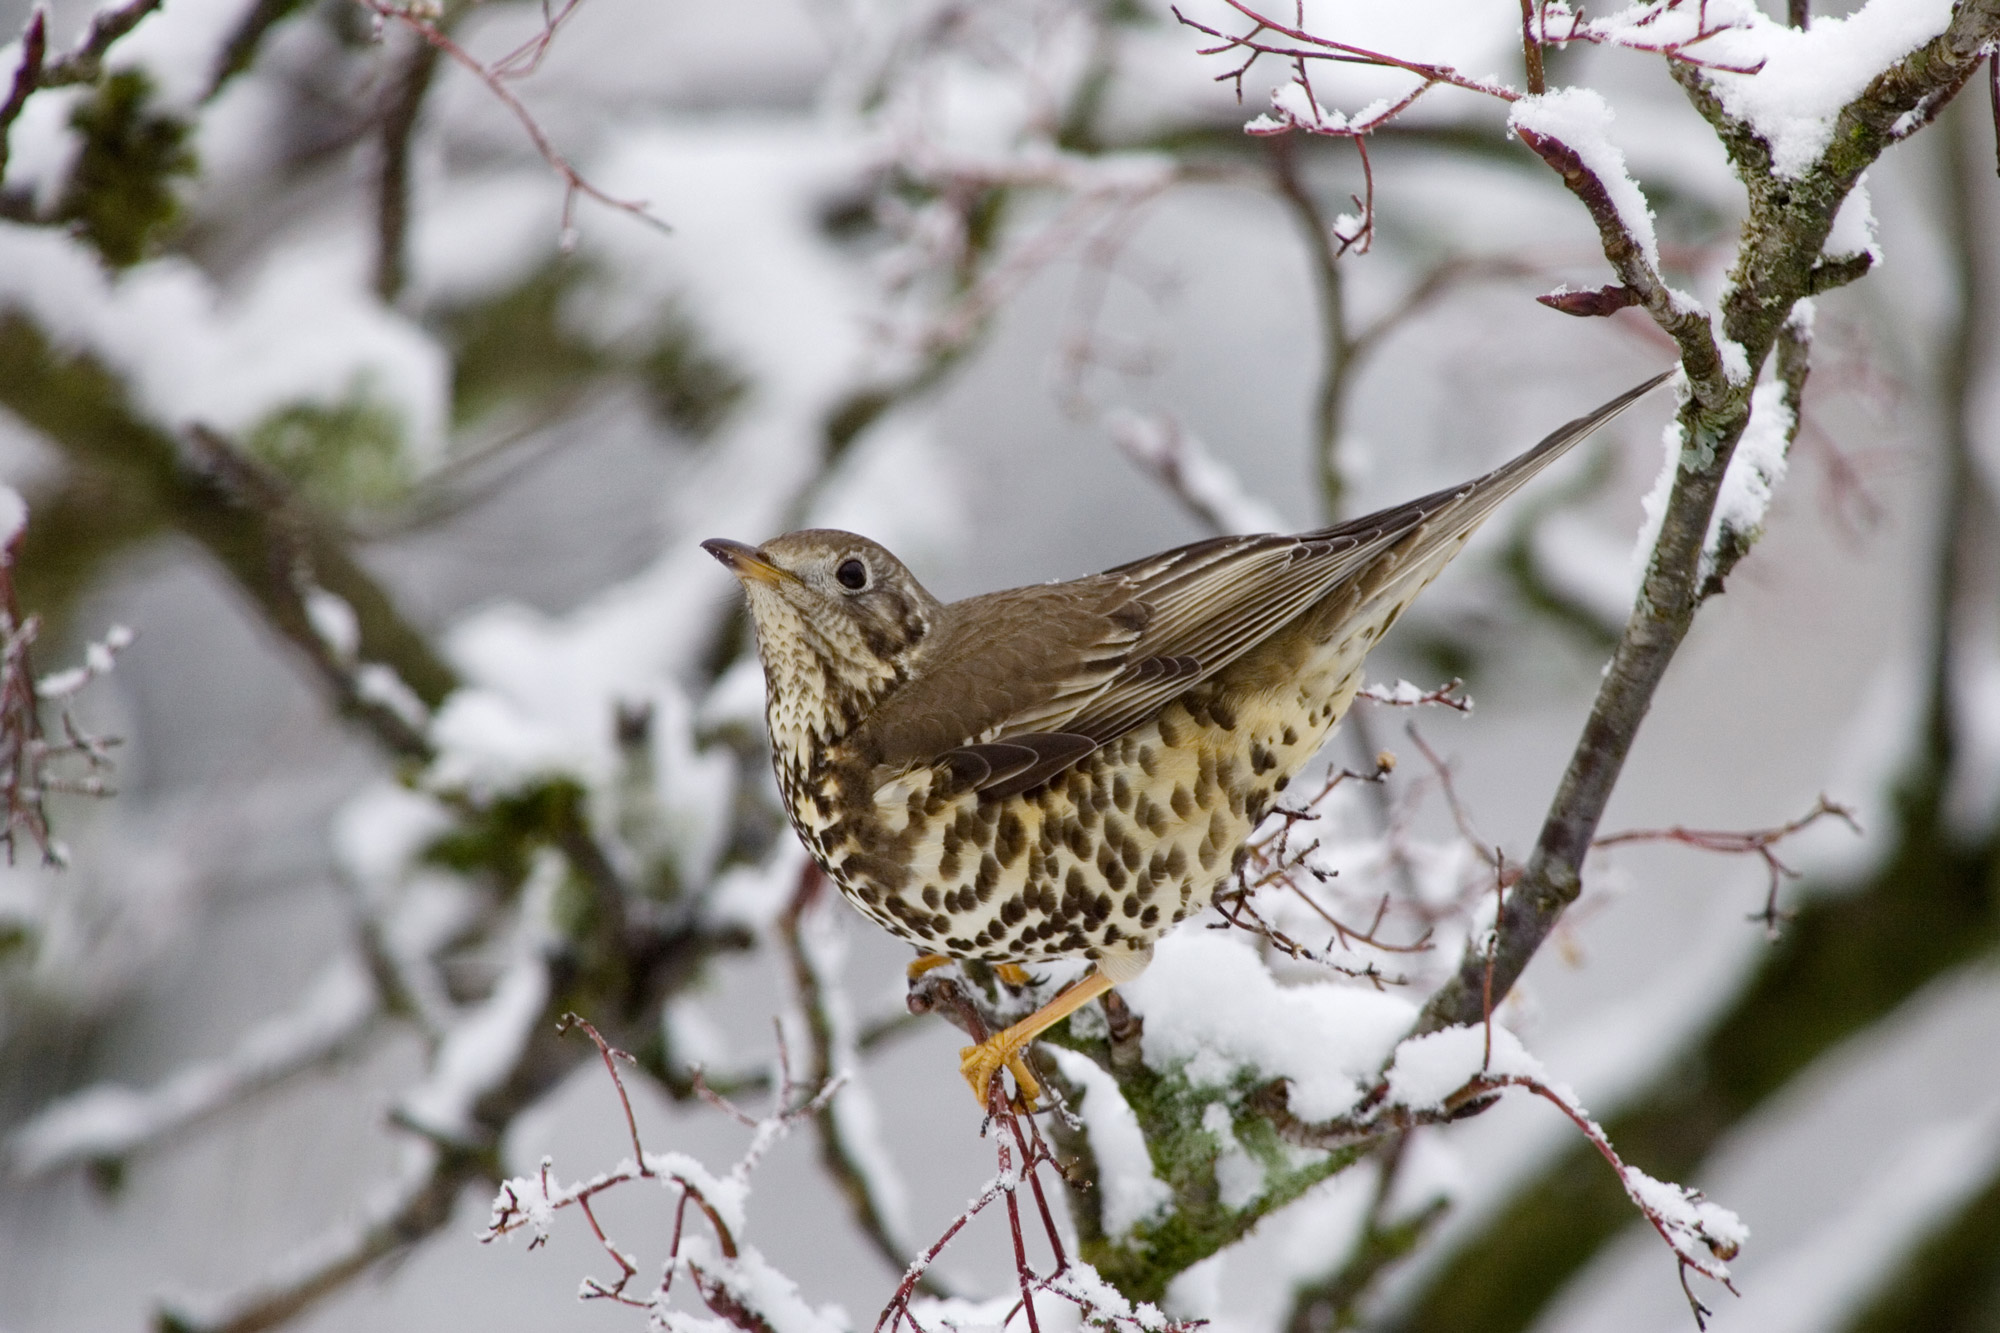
(1071, 769)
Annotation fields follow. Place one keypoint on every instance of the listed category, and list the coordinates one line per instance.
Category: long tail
(1426, 533)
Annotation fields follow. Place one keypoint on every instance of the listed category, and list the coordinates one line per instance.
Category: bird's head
(837, 618)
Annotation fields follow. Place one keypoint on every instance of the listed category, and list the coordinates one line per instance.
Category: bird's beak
(744, 562)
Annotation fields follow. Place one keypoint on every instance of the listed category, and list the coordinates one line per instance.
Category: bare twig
(413, 15)
(1753, 842)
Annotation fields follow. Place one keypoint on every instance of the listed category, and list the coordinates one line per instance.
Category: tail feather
(1438, 525)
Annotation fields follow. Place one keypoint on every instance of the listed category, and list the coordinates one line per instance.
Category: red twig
(606, 1051)
(522, 60)
(1752, 842)
(1486, 851)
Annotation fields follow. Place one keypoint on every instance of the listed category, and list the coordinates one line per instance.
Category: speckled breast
(1102, 860)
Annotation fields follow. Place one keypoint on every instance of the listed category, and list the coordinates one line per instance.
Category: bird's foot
(982, 1064)
(1013, 974)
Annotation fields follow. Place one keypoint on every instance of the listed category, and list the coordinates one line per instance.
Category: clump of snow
(760, 1287)
(1688, 1218)
(300, 330)
(382, 829)
(1735, 361)
(334, 622)
(1653, 507)
(1809, 74)
(13, 518)
(1131, 1193)
(1853, 233)
(1430, 1068)
(1214, 1012)
(99, 658)
(378, 683)
(487, 745)
(1239, 1177)
(1580, 119)
(1755, 470)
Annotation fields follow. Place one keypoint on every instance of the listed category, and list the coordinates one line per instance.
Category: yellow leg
(1012, 973)
(981, 1064)
(924, 963)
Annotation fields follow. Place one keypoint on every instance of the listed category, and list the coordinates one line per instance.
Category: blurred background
(941, 273)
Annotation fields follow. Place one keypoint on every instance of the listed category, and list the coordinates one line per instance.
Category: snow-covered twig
(108, 1122)
(1447, 1074)
(28, 758)
(1405, 695)
(732, 1277)
(1099, 1305)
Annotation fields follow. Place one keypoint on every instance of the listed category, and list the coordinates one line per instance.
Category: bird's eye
(853, 575)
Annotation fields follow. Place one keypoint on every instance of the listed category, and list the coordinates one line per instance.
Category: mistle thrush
(1070, 770)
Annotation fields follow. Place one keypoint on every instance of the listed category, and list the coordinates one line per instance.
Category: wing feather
(1015, 687)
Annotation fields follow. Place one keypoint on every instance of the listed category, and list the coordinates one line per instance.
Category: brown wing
(1012, 667)
(1214, 600)
(1022, 684)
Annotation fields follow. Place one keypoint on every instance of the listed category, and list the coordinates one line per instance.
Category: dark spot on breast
(1221, 714)
(1182, 801)
(1283, 783)
(1134, 855)
(1112, 935)
(1149, 763)
(957, 945)
(1172, 734)
(1131, 904)
(948, 863)
(1013, 910)
(1149, 918)
(932, 898)
(988, 877)
(1121, 793)
(1290, 737)
(1079, 841)
(1261, 759)
(1011, 839)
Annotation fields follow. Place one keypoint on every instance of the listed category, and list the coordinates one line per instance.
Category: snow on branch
(108, 1122)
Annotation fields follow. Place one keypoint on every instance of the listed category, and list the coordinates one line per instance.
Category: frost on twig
(31, 763)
